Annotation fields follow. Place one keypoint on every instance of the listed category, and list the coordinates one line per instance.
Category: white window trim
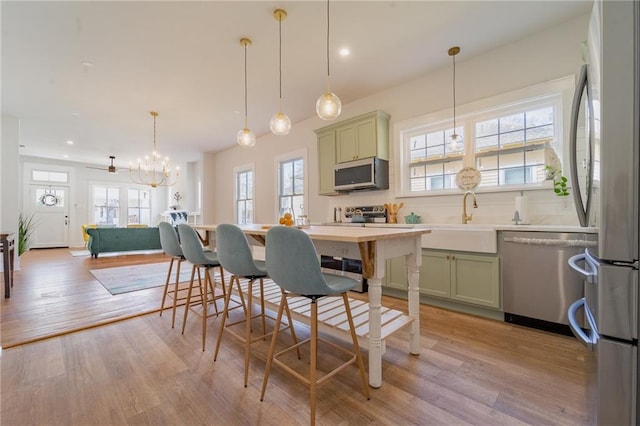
(240, 169)
(123, 188)
(299, 153)
(562, 88)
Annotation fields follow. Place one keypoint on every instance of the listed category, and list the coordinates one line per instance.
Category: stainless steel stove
(372, 214)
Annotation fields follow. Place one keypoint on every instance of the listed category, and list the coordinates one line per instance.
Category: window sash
(516, 129)
(291, 185)
(244, 197)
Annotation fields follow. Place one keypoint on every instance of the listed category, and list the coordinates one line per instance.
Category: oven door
(351, 268)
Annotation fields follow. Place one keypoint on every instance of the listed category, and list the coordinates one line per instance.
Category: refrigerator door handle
(589, 276)
(581, 86)
(588, 341)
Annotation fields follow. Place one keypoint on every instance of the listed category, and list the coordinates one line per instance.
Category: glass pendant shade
(280, 124)
(328, 106)
(246, 138)
(455, 138)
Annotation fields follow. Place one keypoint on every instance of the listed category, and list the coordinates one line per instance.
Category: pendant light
(246, 137)
(455, 138)
(280, 124)
(328, 105)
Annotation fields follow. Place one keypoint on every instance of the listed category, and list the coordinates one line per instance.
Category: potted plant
(26, 226)
(176, 196)
(559, 181)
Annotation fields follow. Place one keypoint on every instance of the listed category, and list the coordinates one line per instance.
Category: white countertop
(470, 226)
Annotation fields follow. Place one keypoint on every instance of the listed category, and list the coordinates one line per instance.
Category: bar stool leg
(314, 360)
(188, 304)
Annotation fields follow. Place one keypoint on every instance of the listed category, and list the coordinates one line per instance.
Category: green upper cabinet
(360, 137)
(363, 137)
(326, 161)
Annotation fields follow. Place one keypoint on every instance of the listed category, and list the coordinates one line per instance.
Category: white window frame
(139, 209)
(559, 92)
(123, 197)
(236, 171)
(300, 153)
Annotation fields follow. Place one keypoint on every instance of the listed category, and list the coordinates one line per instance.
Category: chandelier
(153, 170)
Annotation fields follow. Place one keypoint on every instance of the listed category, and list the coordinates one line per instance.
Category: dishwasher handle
(552, 242)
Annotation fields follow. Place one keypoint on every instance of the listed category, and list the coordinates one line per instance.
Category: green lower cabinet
(457, 276)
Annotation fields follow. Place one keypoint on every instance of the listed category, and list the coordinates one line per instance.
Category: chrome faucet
(465, 217)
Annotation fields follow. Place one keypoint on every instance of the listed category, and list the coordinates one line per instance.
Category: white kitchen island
(374, 246)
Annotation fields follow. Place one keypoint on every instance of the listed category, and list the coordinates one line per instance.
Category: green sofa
(105, 240)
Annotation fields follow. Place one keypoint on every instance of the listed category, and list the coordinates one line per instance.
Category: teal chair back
(293, 263)
(169, 240)
(192, 248)
(234, 252)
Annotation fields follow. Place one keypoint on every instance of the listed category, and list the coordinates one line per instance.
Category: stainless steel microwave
(368, 173)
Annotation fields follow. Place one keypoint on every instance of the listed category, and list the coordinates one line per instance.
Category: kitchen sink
(476, 238)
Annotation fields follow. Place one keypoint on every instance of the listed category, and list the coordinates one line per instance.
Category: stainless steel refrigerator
(605, 178)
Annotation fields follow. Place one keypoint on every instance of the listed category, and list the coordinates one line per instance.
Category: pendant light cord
(328, 70)
(245, 86)
(280, 57)
(454, 94)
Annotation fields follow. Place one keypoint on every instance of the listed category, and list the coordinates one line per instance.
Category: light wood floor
(140, 371)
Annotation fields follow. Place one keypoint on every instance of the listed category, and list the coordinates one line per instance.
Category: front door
(50, 207)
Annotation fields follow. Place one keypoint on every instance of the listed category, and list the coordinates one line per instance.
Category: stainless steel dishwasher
(537, 284)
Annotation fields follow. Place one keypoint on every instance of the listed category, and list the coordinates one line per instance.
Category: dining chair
(292, 262)
(171, 246)
(200, 259)
(235, 256)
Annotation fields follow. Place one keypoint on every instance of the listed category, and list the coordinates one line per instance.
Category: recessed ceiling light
(75, 114)
(345, 51)
(69, 142)
(87, 64)
(65, 156)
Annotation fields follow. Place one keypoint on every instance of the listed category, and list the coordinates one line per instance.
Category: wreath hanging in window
(49, 199)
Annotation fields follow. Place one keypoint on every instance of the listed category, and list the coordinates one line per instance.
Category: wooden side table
(8, 253)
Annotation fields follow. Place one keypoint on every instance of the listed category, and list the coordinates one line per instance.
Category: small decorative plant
(559, 181)
(177, 196)
(26, 226)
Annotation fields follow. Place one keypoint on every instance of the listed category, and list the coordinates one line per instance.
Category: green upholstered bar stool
(200, 259)
(292, 262)
(234, 254)
(171, 246)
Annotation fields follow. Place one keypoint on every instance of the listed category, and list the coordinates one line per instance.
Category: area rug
(125, 279)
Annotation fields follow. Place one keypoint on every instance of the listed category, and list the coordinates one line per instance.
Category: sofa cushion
(105, 240)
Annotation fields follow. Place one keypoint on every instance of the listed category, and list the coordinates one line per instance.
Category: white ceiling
(184, 60)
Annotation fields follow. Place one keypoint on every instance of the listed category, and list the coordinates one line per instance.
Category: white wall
(9, 174)
(545, 56)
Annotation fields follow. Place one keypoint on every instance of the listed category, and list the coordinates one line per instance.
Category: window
(509, 148)
(503, 137)
(49, 176)
(51, 197)
(291, 185)
(138, 206)
(244, 196)
(106, 205)
(434, 162)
